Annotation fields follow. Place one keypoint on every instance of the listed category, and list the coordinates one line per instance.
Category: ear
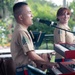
(20, 17)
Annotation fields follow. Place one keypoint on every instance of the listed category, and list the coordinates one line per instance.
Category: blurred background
(44, 9)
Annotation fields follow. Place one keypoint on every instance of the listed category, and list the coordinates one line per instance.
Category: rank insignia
(23, 40)
(59, 31)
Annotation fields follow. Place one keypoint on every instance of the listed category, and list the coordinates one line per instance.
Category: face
(26, 16)
(64, 18)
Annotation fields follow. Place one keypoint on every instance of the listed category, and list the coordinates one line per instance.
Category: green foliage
(72, 19)
(44, 10)
(6, 3)
(5, 21)
(4, 31)
(40, 9)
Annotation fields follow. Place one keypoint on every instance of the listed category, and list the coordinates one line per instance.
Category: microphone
(52, 24)
(49, 23)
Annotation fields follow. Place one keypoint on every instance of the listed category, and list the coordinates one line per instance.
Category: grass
(46, 46)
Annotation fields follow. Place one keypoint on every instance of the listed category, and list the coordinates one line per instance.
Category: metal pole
(64, 3)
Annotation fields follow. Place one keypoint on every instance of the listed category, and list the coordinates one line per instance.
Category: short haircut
(17, 7)
(61, 11)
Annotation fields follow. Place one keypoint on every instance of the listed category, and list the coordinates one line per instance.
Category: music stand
(37, 38)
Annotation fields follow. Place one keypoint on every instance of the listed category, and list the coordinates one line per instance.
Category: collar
(63, 26)
(21, 27)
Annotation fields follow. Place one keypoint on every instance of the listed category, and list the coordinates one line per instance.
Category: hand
(53, 65)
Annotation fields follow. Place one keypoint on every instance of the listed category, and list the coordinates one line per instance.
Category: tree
(72, 19)
(5, 20)
(43, 10)
(6, 7)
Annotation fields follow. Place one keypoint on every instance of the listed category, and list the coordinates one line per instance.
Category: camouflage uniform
(21, 44)
(62, 36)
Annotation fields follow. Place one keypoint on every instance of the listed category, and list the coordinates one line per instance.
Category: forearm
(39, 60)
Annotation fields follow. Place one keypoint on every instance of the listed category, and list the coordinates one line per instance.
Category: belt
(22, 70)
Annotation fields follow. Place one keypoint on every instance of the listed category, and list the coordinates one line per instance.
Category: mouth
(65, 19)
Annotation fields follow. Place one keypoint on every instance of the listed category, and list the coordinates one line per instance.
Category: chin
(32, 23)
(66, 22)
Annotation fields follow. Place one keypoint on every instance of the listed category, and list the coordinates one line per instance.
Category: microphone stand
(63, 29)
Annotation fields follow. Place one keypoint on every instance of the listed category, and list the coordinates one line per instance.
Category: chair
(2, 70)
(37, 38)
(7, 66)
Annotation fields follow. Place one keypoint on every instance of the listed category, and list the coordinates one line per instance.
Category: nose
(32, 15)
(66, 15)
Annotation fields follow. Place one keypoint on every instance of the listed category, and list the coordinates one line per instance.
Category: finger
(55, 64)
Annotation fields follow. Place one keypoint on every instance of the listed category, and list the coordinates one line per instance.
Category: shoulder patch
(59, 31)
(23, 40)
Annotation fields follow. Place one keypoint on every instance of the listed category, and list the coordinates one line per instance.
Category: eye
(62, 14)
(68, 13)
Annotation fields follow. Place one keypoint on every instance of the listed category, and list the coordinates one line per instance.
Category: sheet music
(5, 56)
(5, 50)
(44, 51)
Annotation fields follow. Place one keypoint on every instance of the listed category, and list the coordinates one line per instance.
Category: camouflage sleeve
(26, 43)
(61, 35)
(69, 38)
(74, 40)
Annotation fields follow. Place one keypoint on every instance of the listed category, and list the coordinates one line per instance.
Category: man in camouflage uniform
(22, 48)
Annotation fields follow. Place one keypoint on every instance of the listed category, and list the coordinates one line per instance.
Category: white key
(56, 71)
